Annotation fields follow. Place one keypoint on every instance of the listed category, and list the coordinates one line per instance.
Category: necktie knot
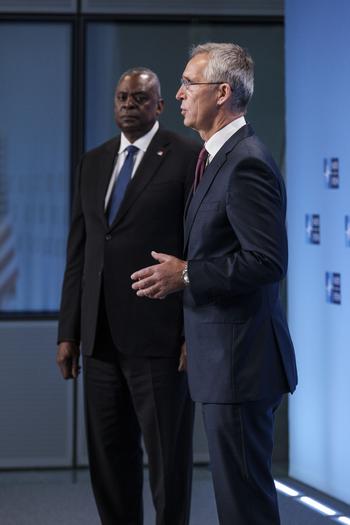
(200, 167)
(203, 155)
(131, 150)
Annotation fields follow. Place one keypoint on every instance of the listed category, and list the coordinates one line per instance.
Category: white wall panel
(35, 402)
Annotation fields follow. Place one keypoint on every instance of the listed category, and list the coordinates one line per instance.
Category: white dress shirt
(216, 141)
(142, 144)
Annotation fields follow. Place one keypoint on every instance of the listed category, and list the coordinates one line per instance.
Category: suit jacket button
(108, 237)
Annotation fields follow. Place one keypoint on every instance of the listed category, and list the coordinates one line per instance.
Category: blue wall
(318, 161)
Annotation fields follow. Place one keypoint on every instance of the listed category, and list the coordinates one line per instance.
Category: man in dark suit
(130, 197)
(240, 355)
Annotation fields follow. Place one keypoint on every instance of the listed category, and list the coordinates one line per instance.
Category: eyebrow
(133, 92)
(190, 79)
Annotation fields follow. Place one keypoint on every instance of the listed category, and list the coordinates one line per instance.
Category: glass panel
(184, 7)
(114, 47)
(38, 6)
(35, 93)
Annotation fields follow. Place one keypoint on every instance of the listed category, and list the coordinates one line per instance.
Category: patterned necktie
(200, 167)
(121, 184)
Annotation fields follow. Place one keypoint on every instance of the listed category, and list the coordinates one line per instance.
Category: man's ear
(160, 106)
(225, 93)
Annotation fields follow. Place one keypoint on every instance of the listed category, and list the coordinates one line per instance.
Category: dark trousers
(126, 398)
(240, 439)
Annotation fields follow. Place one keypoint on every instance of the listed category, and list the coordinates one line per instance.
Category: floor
(64, 497)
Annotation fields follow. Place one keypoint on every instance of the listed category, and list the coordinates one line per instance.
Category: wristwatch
(185, 278)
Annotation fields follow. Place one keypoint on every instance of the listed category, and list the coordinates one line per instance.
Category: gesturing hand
(159, 280)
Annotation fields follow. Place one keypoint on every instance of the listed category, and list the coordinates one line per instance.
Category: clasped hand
(159, 280)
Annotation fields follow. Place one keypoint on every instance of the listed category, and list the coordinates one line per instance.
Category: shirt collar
(216, 141)
(142, 143)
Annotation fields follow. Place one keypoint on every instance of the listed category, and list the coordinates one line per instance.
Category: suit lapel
(209, 175)
(151, 161)
(188, 202)
(105, 170)
(195, 202)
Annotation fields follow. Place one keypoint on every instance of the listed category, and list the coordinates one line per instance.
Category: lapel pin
(160, 152)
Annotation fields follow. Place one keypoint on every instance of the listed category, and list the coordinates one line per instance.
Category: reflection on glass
(164, 47)
(34, 164)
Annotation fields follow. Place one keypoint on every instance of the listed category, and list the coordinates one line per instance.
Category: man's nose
(129, 101)
(180, 93)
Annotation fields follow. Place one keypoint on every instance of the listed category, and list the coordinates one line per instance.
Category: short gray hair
(140, 70)
(232, 64)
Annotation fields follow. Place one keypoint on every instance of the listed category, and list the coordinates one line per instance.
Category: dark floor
(62, 497)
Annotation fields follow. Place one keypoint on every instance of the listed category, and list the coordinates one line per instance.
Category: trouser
(240, 440)
(126, 398)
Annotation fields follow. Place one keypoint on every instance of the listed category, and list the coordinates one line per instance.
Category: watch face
(185, 277)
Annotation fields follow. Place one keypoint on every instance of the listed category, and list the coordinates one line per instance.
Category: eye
(140, 98)
(121, 97)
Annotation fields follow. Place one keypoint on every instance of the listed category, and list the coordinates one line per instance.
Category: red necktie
(200, 167)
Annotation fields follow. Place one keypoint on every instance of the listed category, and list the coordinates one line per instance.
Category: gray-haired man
(240, 355)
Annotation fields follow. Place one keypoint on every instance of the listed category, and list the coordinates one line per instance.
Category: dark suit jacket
(235, 240)
(150, 218)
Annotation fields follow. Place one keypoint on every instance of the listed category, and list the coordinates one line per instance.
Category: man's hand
(67, 359)
(183, 358)
(158, 281)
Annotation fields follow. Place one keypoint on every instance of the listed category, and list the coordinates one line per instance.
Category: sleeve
(70, 309)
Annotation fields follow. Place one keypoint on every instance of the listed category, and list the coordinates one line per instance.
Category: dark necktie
(200, 167)
(121, 184)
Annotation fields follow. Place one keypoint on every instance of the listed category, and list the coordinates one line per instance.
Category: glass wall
(164, 46)
(35, 109)
(35, 126)
(56, 92)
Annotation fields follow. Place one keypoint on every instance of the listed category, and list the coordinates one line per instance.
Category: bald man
(130, 197)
